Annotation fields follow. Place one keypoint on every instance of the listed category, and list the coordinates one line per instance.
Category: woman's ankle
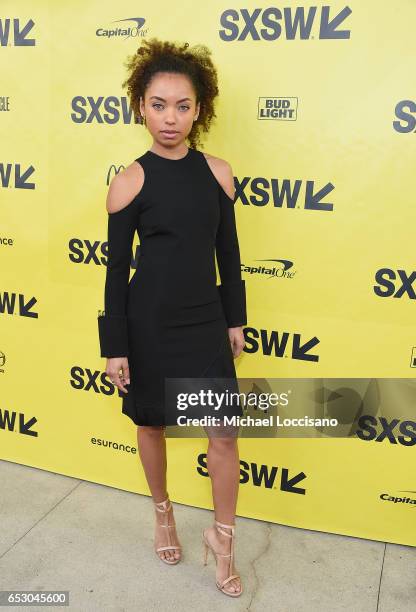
(160, 499)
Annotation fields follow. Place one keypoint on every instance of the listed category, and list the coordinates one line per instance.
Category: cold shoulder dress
(171, 319)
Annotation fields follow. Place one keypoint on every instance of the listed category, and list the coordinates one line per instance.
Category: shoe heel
(206, 547)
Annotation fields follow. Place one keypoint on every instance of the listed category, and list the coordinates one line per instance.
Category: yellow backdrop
(317, 114)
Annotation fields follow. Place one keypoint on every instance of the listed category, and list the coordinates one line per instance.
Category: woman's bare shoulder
(223, 172)
(124, 187)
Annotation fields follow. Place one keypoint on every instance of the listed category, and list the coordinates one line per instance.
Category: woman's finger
(118, 381)
(126, 373)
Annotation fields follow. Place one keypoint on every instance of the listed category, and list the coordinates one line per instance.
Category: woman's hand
(114, 365)
(236, 336)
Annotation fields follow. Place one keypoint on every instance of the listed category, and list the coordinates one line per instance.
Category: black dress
(171, 319)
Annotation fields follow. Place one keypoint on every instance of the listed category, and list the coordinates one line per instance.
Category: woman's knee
(225, 444)
(155, 431)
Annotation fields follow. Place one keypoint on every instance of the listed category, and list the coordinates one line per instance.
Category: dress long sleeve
(112, 324)
(232, 288)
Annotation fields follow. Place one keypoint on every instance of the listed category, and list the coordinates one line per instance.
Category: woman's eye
(157, 105)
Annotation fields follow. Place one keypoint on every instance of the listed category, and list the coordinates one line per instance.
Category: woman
(171, 319)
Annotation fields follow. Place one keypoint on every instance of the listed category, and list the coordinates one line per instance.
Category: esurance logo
(271, 23)
(133, 29)
(405, 112)
(21, 31)
(392, 283)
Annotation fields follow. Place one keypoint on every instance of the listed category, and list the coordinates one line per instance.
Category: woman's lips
(169, 134)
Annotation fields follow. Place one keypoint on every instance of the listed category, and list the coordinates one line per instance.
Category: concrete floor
(97, 543)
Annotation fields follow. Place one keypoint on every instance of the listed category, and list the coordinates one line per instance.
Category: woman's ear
(197, 109)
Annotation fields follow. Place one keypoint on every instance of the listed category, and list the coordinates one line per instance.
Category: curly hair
(155, 56)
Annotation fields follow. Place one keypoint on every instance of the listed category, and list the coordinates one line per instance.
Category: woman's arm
(121, 226)
(232, 288)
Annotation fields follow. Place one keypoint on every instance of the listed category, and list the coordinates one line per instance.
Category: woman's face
(169, 106)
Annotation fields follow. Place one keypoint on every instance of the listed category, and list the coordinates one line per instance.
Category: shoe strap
(229, 578)
(166, 505)
(219, 525)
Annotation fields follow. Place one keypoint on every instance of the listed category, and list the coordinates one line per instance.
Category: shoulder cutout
(223, 172)
(124, 187)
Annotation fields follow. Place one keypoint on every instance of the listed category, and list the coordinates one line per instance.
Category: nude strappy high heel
(208, 546)
(166, 507)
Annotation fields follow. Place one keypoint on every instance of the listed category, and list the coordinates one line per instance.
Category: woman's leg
(151, 444)
(224, 469)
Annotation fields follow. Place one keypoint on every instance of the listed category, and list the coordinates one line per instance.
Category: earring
(144, 120)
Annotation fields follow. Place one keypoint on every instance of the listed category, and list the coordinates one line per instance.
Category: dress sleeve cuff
(233, 298)
(112, 331)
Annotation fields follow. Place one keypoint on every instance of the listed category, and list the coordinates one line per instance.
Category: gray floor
(97, 543)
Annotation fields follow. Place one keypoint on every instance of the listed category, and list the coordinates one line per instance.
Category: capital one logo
(272, 23)
(392, 283)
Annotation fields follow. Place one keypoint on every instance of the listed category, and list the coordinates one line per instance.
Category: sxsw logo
(392, 283)
(368, 431)
(21, 33)
(405, 112)
(83, 251)
(277, 108)
(261, 475)
(85, 379)
(17, 422)
(19, 179)
(272, 23)
(23, 307)
(280, 344)
(282, 192)
(110, 110)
